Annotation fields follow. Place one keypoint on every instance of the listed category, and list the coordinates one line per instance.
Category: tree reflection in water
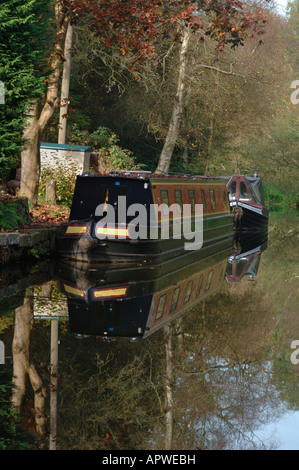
(207, 380)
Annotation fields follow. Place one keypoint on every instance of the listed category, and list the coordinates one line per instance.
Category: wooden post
(51, 191)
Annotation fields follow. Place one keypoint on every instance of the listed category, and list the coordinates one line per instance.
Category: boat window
(178, 198)
(104, 197)
(244, 194)
(221, 274)
(164, 196)
(213, 200)
(224, 197)
(229, 267)
(203, 199)
(174, 301)
(165, 200)
(241, 265)
(199, 285)
(104, 194)
(161, 306)
(188, 291)
(208, 284)
(192, 200)
(232, 190)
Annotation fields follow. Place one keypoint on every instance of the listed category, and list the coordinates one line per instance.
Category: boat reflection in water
(246, 255)
(134, 302)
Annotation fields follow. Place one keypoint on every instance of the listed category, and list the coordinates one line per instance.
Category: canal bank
(27, 243)
(20, 235)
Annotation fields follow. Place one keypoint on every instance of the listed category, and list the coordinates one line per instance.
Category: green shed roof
(76, 148)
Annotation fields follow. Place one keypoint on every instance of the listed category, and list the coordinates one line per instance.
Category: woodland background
(237, 113)
(237, 117)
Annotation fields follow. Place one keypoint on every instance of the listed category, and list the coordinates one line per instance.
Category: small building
(66, 156)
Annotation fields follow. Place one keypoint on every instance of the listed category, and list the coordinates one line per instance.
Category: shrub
(105, 142)
(64, 173)
(111, 157)
(12, 434)
(278, 198)
(10, 218)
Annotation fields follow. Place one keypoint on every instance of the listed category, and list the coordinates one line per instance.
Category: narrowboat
(246, 255)
(135, 306)
(103, 226)
(247, 202)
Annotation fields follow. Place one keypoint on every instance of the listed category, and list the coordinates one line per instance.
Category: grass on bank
(281, 198)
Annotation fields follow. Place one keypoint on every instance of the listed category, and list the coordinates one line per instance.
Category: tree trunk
(40, 393)
(30, 156)
(212, 124)
(40, 117)
(20, 350)
(210, 144)
(65, 86)
(54, 384)
(185, 158)
(169, 384)
(23, 365)
(175, 122)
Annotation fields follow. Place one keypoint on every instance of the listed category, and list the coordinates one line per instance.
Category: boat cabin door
(110, 194)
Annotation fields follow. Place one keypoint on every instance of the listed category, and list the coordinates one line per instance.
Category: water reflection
(200, 376)
(138, 303)
(246, 255)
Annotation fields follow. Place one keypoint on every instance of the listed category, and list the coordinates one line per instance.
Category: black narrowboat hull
(217, 235)
(252, 217)
(90, 274)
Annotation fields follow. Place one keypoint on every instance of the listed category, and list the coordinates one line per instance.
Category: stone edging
(18, 244)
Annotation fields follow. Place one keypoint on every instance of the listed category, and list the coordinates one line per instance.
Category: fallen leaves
(43, 214)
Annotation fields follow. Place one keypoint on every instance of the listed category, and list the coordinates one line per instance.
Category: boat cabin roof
(93, 189)
(254, 183)
(148, 175)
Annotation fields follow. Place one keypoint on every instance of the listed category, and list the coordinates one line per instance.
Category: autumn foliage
(138, 25)
(136, 28)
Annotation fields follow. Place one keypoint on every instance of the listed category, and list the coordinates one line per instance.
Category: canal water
(200, 357)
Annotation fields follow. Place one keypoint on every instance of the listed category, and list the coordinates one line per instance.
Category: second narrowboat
(247, 202)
